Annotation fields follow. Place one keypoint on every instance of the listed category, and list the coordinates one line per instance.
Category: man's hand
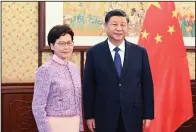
(146, 123)
(91, 124)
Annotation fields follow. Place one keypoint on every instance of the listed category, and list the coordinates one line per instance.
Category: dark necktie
(117, 61)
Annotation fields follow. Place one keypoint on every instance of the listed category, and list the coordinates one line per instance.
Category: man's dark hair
(115, 12)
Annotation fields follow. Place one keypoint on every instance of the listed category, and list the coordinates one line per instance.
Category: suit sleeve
(88, 90)
(147, 88)
(41, 91)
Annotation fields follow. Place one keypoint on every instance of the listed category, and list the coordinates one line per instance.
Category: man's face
(117, 28)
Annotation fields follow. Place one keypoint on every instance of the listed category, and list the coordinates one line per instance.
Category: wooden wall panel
(190, 126)
(16, 109)
(18, 117)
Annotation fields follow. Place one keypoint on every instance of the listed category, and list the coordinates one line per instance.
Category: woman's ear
(51, 46)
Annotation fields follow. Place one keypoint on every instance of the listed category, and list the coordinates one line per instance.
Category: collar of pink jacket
(59, 60)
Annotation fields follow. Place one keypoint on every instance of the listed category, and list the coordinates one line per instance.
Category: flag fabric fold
(162, 38)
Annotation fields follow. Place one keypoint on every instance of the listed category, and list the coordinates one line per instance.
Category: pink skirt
(64, 124)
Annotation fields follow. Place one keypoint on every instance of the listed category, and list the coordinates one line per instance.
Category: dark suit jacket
(105, 95)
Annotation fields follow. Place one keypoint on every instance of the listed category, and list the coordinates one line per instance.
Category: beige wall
(20, 39)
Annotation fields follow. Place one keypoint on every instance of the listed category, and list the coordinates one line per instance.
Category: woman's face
(63, 47)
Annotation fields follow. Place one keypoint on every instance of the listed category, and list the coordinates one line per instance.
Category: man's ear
(105, 25)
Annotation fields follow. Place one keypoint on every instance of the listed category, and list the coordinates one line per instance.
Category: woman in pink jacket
(56, 102)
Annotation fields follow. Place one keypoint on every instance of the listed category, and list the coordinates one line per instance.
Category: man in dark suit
(117, 85)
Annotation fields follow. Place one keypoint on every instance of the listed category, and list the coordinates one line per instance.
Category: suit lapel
(109, 59)
(126, 58)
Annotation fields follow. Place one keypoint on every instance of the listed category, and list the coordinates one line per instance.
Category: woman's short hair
(57, 31)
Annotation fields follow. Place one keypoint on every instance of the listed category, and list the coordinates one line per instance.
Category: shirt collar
(58, 60)
(112, 46)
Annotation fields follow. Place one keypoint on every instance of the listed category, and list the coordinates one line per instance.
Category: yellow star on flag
(158, 38)
(171, 30)
(155, 4)
(144, 34)
(174, 14)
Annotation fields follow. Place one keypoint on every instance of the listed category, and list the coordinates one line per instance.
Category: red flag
(162, 37)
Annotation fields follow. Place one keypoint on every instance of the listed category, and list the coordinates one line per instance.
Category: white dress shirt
(121, 51)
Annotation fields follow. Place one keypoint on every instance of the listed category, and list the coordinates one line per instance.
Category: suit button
(119, 85)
